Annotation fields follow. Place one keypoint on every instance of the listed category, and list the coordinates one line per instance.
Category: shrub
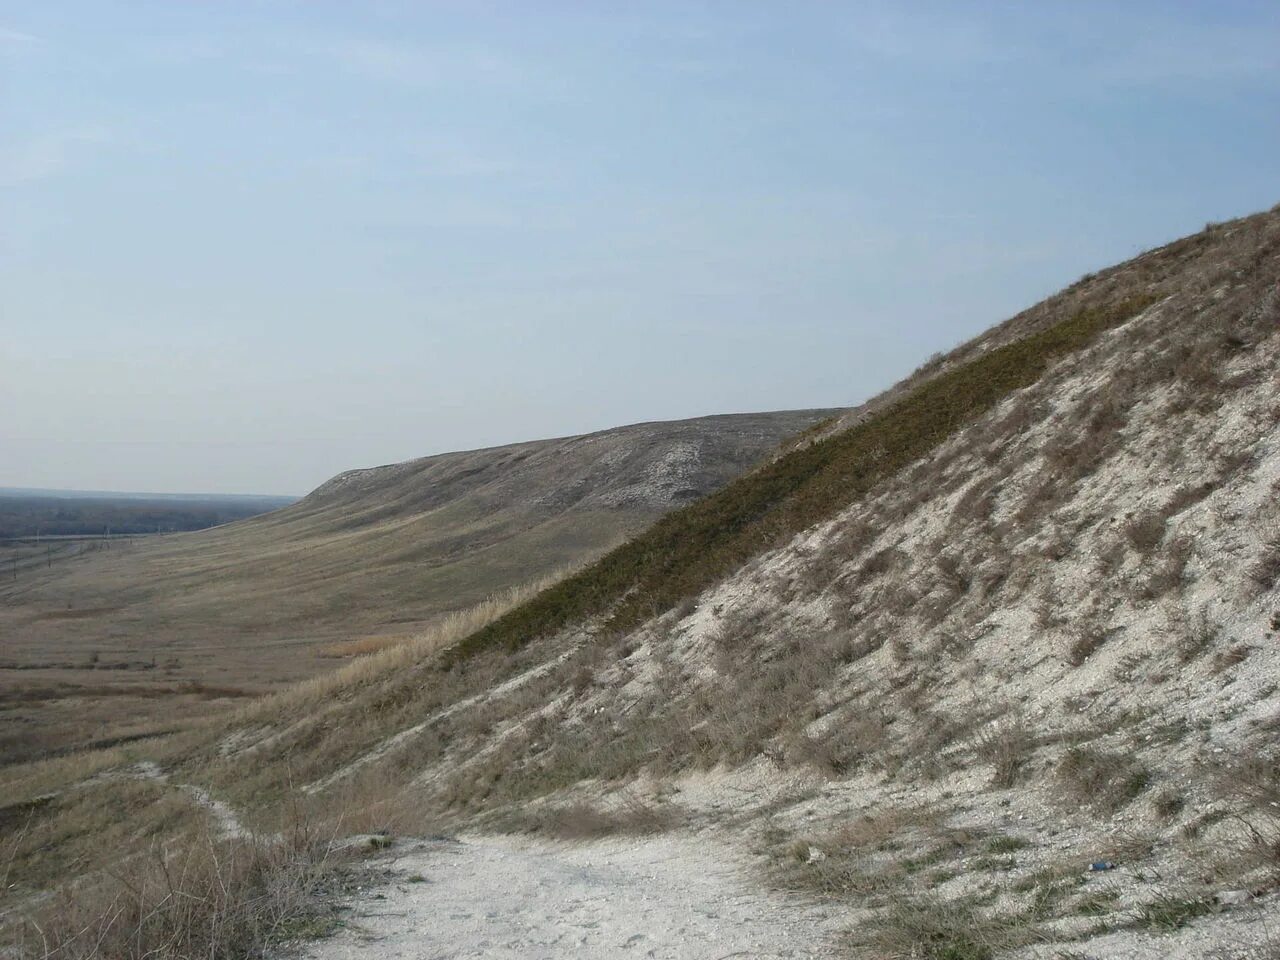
(1197, 637)
(1172, 913)
(1101, 780)
(1007, 748)
(206, 897)
(1266, 569)
(582, 821)
(1145, 531)
(933, 929)
(1085, 645)
(1168, 804)
(1169, 571)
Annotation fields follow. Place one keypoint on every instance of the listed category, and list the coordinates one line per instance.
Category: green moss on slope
(690, 549)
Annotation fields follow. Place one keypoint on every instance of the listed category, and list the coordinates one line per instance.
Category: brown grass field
(112, 642)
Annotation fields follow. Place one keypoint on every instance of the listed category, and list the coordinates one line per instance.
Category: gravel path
(674, 898)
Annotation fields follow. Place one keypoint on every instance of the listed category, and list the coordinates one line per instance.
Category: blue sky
(245, 245)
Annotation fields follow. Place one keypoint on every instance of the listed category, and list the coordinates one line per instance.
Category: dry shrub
(1265, 571)
(1168, 573)
(851, 539)
(846, 864)
(1254, 782)
(1168, 804)
(842, 750)
(1101, 780)
(1145, 531)
(363, 646)
(1188, 496)
(880, 563)
(823, 756)
(201, 897)
(632, 816)
(953, 573)
(976, 505)
(1007, 746)
(1197, 636)
(1227, 659)
(931, 928)
(1085, 645)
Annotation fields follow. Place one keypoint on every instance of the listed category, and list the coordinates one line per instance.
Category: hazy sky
(245, 245)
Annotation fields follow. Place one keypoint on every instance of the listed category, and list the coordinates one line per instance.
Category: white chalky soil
(672, 898)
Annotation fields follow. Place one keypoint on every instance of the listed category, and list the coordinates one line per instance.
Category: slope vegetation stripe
(691, 548)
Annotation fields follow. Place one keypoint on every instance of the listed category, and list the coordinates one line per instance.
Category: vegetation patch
(1101, 780)
(689, 549)
(203, 897)
(1171, 912)
(583, 821)
(933, 929)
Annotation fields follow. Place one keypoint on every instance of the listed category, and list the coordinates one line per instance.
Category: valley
(985, 667)
(107, 641)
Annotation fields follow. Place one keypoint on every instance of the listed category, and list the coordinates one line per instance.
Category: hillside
(101, 644)
(1014, 618)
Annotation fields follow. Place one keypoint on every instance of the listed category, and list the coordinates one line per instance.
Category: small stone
(816, 855)
(1231, 898)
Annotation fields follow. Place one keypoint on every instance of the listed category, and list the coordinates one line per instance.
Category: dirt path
(229, 825)
(672, 898)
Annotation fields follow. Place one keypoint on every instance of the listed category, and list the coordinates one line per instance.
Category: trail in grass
(228, 823)
(672, 898)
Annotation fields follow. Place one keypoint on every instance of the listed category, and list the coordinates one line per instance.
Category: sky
(247, 245)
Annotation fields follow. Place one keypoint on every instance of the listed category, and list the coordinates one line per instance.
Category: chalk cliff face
(647, 467)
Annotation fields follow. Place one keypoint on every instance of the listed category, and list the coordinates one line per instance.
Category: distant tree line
(29, 516)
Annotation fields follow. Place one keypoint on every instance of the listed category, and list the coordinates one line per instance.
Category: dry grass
(196, 896)
(45, 776)
(1266, 568)
(1008, 747)
(1100, 780)
(160, 879)
(629, 816)
(363, 646)
(1085, 645)
(386, 661)
(929, 928)
(1196, 636)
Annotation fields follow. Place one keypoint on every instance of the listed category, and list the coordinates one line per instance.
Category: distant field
(48, 513)
(108, 639)
(100, 690)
